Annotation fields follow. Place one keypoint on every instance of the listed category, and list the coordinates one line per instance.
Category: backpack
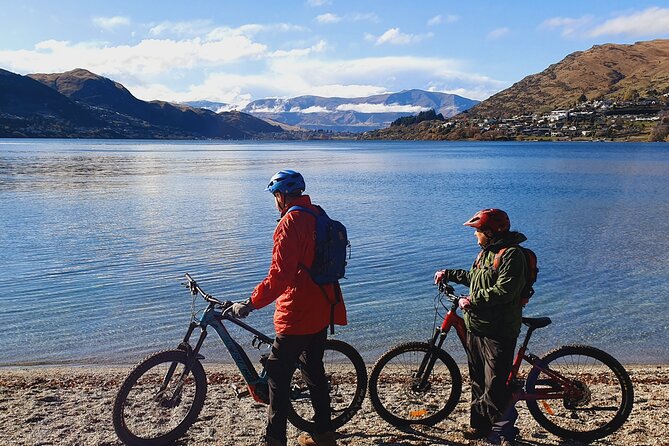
(530, 273)
(332, 250)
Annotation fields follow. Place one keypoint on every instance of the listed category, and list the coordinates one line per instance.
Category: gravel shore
(72, 406)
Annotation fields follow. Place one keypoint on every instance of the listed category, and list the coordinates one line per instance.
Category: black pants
(286, 351)
(490, 362)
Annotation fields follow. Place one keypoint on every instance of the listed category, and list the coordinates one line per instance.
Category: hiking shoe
(472, 433)
(325, 439)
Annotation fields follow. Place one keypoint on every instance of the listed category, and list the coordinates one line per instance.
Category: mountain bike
(164, 394)
(574, 391)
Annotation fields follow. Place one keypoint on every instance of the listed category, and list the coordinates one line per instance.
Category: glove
(464, 303)
(242, 309)
(439, 276)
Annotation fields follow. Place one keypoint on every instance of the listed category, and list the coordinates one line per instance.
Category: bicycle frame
(213, 316)
(453, 320)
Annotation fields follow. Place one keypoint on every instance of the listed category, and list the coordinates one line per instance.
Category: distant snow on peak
(313, 109)
(382, 108)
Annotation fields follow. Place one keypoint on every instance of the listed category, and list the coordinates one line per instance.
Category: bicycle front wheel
(401, 396)
(346, 376)
(597, 402)
(158, 402)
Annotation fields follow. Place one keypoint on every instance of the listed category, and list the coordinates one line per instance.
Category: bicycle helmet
(493, 220)
(286, 182)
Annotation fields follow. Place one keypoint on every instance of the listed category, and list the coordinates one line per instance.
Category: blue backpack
(332, 248)
(332, 251)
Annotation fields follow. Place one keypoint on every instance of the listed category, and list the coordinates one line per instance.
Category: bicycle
(574, 391)
(164, 394)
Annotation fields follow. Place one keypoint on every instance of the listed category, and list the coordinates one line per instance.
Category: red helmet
(493, 220)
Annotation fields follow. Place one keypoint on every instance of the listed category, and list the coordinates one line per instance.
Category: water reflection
(97, 235)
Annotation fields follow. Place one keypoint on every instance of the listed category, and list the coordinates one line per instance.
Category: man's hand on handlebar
(464, 303)
(439, 276)
(241, 309)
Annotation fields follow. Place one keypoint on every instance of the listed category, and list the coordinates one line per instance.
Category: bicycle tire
(347, 380)
(393, 391)
(607, 391)
(137, 400)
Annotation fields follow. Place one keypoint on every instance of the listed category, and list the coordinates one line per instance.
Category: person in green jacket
(492, 314)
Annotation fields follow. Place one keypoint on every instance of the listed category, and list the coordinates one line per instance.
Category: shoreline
(71, 405)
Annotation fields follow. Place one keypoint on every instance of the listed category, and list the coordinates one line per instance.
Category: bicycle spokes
(580, 392)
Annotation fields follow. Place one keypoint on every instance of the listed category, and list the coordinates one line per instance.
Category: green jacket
(495, 295)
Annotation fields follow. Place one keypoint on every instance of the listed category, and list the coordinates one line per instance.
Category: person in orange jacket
(301, 316)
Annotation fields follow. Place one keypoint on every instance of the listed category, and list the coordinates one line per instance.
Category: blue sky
(235, 52)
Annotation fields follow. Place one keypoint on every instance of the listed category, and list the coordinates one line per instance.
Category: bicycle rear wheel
(401, 397)
(346, 375)
(597, 405)
(156, 404)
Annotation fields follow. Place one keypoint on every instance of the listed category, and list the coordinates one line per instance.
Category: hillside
(26, 104)
(609, 92)
(609, 72)
(355, 114)
(79, 103)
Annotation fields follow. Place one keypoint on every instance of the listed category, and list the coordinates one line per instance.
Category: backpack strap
(301, 208)
(498, 258)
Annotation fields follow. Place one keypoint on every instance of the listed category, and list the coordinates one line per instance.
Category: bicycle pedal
(240, 394)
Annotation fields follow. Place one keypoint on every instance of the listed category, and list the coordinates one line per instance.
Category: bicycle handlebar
(195, 289)
(449, 292)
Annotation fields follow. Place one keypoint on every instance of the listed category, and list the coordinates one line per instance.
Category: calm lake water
(96, 237)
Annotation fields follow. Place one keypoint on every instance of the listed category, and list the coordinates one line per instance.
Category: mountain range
(356, 114)
(82, 104)
(347, 114)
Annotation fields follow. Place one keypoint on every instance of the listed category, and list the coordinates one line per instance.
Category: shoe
(325, 439)
(473, 433)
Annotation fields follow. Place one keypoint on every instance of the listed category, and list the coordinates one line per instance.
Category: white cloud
(187, 28)
(354, 17)
(319, 47)
(498, 33)
(381, 108)
(328, 18)
(316, 3)
(395, 37)
(439, 19)
(109, 23)
(147, 58)
(649, 22)
(570, 26)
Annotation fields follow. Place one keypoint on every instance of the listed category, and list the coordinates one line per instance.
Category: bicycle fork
(421, 381)
(192, 355)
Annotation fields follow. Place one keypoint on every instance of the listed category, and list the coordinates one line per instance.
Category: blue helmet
(287, 182)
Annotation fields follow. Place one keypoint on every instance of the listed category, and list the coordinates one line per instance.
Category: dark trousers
(286, 352)
(490, 362)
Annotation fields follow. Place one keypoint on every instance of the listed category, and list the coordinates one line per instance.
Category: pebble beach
(42, 406)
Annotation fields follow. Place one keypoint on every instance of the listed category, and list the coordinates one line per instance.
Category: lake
(96, 236)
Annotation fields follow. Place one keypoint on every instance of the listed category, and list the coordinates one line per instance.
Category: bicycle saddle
(536, 322)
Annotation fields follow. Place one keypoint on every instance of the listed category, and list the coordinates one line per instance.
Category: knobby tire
(400, 400)
(608, 399)
(133, 420)
(347, 381)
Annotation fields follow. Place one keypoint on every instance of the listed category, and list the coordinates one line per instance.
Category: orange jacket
(301, 307)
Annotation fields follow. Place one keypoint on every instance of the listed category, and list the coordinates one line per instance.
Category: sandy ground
(72, 406)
